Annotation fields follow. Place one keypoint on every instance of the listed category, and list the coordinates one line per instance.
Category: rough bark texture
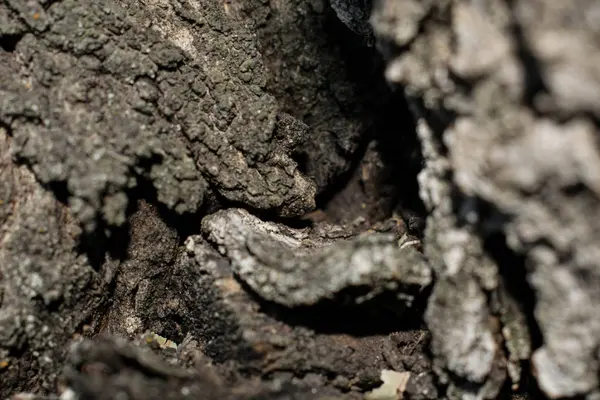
(506, 96)
(283, 265)
(219, 198)
(48, 290)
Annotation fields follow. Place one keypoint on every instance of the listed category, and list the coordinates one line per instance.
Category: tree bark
(226, 198)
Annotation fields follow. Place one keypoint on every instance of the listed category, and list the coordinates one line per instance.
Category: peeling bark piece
(290, 268)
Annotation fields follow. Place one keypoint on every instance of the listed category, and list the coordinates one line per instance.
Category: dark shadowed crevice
(343, 179)
(392, 134)
(7, 128)
(185, 224)
(513, 272)
(97, 247)
(9, 43)
(401, 152)
(382, 315)
(60, 191)
(533, 83)
(438, 118)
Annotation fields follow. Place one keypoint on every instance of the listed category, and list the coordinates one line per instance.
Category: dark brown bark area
(130, 122)
(249, 180)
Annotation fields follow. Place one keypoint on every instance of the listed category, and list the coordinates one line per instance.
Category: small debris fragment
(164, 343)
(393, 387)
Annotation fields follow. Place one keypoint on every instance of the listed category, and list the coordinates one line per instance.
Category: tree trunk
(299, 199)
